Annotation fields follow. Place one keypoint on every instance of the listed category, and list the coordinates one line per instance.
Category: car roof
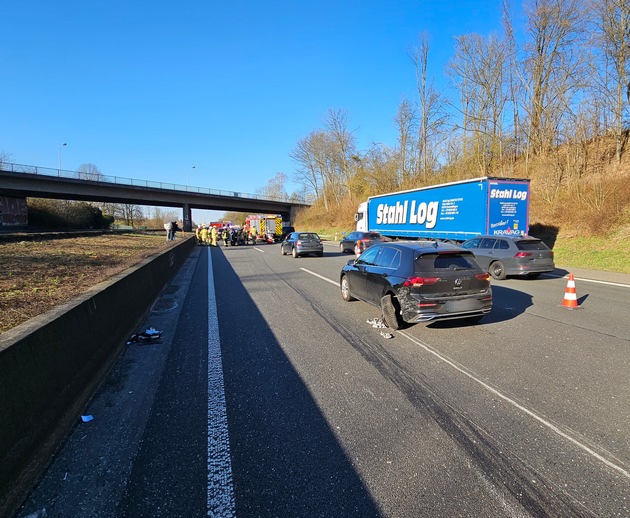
(513, 237)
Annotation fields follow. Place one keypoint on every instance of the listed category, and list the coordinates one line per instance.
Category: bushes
(55, 214)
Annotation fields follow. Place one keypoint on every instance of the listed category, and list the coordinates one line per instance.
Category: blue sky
(147, 90)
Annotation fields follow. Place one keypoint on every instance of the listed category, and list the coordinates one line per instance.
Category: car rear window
(451, 261)
(308, 236)
(373, 235)
(531, 245)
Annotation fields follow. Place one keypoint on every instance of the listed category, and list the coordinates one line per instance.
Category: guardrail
(98, 177)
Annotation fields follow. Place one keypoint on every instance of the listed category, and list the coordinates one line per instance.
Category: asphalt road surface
(269, 395)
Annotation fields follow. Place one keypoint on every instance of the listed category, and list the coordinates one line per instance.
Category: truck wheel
(390, 312)
(345, 290)
(295, 254)
(497, 270)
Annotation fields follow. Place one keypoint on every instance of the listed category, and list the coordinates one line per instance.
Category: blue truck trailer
(452, 211)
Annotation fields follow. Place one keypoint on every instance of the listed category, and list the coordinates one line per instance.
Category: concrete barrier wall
(51, 365)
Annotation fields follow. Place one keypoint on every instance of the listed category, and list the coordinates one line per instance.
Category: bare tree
(552, 66)
(275, 187)
(479, 70)
(431, 118)
(612, 38)
(89, 172)
(406, 122)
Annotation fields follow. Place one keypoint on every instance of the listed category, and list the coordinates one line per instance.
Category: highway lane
(523, 414)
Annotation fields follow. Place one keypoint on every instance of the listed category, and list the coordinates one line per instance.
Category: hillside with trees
(550, 105)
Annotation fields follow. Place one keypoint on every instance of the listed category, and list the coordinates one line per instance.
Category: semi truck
(453, 211)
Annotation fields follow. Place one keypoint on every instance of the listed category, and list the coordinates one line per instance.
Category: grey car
(418, 281)
(302, 243)
(502, 256)
(367, 239)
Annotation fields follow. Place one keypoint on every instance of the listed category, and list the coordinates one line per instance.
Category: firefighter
(253, 235)
(204, 235)
(226, 236)
(213, 235)
(198, 235)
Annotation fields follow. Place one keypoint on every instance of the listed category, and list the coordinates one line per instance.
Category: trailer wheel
(497, 270)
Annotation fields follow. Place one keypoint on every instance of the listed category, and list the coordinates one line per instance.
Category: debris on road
(151, 335)
(377, 322)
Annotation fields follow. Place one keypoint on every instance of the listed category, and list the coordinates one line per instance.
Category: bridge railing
(99, 177)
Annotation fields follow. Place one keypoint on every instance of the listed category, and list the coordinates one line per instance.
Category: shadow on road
(286, 461)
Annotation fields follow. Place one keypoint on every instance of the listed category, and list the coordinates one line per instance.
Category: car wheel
(497, 270)
(295, 254)
(284, 252)
(345, 290)
(390, 312)
(341, 248)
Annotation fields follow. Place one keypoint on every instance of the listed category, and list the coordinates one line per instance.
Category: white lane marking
(494, 391)
(220, 485)
(320, 276)
(259, 249)
(523, 409)
(621, 285)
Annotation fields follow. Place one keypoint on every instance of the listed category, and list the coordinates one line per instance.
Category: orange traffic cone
(570, 296)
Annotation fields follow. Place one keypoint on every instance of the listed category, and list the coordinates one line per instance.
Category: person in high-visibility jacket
(204, 235)
(198, 234)
(213, 236)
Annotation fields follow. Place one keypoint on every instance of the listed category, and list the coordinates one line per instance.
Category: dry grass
(40, 274)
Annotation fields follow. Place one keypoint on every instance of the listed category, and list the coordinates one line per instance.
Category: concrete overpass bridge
(21, 181)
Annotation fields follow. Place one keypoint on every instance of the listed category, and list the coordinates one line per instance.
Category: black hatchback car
(418, 281)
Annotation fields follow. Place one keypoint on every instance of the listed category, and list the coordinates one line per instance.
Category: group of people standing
(211, 236)
(171, 227)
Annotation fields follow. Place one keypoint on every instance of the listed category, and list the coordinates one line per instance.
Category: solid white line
(621, 285)
(220, 485)
(259, 249)
(494, 391)
(531, 414)
(320, 276)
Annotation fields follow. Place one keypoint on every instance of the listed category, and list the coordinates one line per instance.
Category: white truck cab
(361, 217)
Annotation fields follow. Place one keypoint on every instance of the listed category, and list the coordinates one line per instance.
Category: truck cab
(361, 217)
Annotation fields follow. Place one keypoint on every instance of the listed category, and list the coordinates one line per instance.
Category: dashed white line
(320, 276)
(220, 484)
(494, 391)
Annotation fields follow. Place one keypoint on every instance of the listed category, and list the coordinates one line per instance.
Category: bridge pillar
(187, 218)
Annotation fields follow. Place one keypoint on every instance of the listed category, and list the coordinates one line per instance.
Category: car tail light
(420, 281)
(483, 276)
(427, 304)
(298, 243)
(523, 254)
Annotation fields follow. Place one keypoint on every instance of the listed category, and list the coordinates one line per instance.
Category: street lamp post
(60, 148)
(187, 175)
